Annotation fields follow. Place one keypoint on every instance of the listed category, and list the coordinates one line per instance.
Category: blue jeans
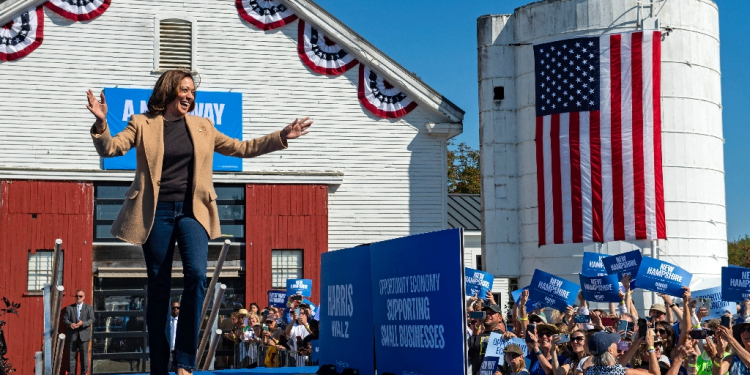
(172, 224)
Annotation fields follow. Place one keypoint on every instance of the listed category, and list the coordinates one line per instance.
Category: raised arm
(105, 144)
(687, 323)
(255, 147)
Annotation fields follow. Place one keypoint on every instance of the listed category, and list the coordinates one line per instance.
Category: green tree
(739, 251)
(463, 169)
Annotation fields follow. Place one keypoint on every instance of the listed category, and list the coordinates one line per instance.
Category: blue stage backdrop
(418, 304)
(346, 336)
(224, 109)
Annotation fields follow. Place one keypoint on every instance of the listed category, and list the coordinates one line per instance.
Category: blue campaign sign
(418, 304)
(313, 308)
(592, 264)
(553, 291)
(224, 109)
(600, 288)
(718, 305)
(530, 305)
(346, 328)
(623, 264)
(302, 287)
(735, 283)
(659, 276)
(277, 298)
(477, 282)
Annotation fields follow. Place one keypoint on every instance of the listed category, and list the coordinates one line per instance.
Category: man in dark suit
(78, 318)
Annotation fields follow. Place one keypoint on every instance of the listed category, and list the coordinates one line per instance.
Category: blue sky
(436, 39)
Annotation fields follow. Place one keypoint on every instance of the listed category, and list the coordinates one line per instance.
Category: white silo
(692, 140)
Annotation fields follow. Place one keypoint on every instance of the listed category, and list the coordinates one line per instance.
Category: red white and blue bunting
(265, 14)
(320, 53)
(380, 97)
(78, 10)
(22, 35)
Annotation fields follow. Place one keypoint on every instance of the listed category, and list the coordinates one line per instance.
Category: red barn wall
(283, 217)
(63, 210)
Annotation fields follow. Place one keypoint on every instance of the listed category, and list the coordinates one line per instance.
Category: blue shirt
(535, 368)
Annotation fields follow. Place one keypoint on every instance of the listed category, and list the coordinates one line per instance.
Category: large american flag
(598, 139)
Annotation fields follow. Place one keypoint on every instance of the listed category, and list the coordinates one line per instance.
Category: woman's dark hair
(254, 304)
(670, 341)
(166, 89)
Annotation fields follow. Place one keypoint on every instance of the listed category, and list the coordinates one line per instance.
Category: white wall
(394, 171)
(692, 137)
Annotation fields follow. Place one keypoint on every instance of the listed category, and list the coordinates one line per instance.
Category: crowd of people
(670, 340)
(292, 328)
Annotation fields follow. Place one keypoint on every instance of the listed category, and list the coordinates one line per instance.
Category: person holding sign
(542, 352)
(738, 339)
(493, 322)
(577, 340)
(172, 199)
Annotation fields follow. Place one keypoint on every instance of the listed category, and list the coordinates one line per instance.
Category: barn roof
(465, 211)
(364, 51)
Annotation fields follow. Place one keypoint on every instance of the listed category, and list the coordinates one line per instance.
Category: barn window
(231, 204)
(40, 270)
(174, 46)
(285, 264)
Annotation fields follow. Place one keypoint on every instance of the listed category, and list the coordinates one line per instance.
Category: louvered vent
(175, 44)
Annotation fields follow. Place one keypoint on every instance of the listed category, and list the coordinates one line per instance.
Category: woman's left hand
(296, 129)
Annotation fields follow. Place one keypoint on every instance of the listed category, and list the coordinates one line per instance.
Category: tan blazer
(146, 134)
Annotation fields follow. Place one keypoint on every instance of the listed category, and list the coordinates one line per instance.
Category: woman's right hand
(97, 108)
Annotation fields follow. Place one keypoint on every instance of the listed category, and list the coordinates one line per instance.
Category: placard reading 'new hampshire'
(553, 291)
(530, 305)
(659, 276)
(623, 264)
(477, 282)
(346, 328)
(418, 304)
(735, 283)
(592, 264)
(600, 288)
(302, 287)
(224, 109)
(718, 305)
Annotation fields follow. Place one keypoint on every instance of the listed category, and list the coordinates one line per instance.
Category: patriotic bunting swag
(598, 139)
(78, 10)
(380, 97)
(265, 14)
(320, 53)
(22, 35)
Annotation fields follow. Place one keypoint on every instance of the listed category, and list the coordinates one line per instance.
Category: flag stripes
(599, 172)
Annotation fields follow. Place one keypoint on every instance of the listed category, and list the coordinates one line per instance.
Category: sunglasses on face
(546, 333)
(745, 329)
(660, 331)
(175, 307)
(512, 355)
(577, 338)
(79, 295)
